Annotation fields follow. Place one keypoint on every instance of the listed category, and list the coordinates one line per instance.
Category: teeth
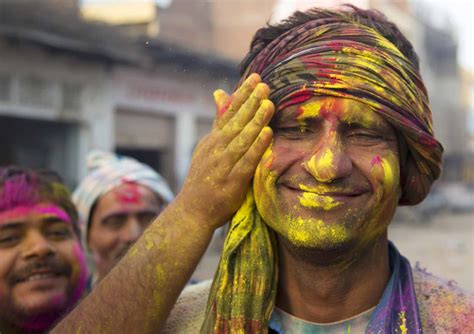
(39, 276)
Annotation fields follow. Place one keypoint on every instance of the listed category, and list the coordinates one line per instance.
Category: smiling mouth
(37, 277)
(323, 197)
(318, 191)
(40, 276)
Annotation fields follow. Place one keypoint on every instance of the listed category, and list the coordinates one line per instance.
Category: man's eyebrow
(126, 213)
(363, 120)
(52, 220)
(11, 225)
(114, 214)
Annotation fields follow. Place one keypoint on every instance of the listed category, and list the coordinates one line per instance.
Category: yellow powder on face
(357, 113)
(389, 176)
(310, 232)
(319, 189)
(309, 110)
(312, 200)
(322, 165)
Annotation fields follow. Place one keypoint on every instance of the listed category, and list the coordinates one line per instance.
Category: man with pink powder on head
(43, 272)
(116, 201)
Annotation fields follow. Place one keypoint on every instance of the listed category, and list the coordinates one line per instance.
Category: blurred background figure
(136, 78)
(43, 272)
(116, 201)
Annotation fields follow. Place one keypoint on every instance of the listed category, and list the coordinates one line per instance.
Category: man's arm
(139, 293)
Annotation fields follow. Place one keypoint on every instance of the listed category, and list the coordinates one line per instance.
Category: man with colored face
(328, 132)
(117, 201)
(43, 272)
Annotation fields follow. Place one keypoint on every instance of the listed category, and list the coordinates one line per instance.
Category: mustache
(51, 265)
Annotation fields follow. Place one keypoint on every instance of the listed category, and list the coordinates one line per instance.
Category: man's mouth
(40, 271)
(324, 190)
(38, 275)
(324, 197)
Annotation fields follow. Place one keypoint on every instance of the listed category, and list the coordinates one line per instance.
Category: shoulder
(187, 314)
(443, 306)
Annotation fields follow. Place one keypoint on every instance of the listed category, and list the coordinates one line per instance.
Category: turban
(349, 60)
(107, 171)
(332, 56)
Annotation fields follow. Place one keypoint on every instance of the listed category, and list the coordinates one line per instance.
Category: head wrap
(332, 56)
(107, 171)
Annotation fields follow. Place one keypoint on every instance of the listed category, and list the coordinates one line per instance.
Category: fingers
(246, 113)
(222, 102)
(241, 143)
(226, 110)
(246, 166)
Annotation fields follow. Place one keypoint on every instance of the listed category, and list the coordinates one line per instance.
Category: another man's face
(331, 177)
(119, 219)
(42, 266)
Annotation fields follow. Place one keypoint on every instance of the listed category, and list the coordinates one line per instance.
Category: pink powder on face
(83, 273)
(130, 194)
(26, 210)
(53, 210)
(19, 211)
(376, 160)
(45, 322)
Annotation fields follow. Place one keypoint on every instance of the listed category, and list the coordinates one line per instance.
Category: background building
(68, 86)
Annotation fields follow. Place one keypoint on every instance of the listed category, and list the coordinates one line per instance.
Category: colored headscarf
(107, 171)
(335, 56)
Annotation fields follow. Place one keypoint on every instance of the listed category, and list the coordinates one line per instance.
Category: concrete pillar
(184, 144)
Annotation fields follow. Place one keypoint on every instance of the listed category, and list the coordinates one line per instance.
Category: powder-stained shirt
(443, 306)
(285, 323)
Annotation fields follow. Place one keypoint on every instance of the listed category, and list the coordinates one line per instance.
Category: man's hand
(139, 293)
(225, 160)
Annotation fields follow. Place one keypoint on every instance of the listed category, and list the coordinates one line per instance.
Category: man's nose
(328, 160)
(133, 229)
(37, 246)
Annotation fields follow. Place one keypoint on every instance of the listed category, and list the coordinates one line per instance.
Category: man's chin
(39, 312)
(43, 302)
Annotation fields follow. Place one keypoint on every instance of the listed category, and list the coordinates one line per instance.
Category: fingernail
(254, 78)
(217, 93)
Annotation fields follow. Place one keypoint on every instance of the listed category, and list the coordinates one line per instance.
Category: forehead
(345, 110)
(33, 213)
(128, 195)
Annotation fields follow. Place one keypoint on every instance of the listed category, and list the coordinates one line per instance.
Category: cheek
(285, 154)
(102, 240)
(80, 272)
(7, 261)
(385, 173)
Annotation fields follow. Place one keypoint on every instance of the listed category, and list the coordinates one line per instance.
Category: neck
(313, 289)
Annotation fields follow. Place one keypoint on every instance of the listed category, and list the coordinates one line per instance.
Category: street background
(136, 77)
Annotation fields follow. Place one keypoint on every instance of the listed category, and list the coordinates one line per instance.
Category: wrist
(192, 217)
